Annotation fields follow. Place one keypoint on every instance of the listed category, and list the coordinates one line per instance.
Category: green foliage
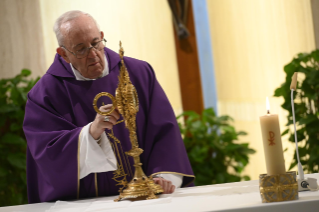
(13, 97)
(306, 108)
(213, 153)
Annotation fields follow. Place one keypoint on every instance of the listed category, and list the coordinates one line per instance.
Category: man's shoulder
(47, 84)
(133, 65)
(135, 62)
(138, 67)
(60, 68)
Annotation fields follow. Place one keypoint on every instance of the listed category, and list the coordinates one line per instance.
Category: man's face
(81, 33)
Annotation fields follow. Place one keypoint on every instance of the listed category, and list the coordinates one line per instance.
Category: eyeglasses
(84, 51)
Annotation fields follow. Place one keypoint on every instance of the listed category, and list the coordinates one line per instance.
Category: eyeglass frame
(86, 48)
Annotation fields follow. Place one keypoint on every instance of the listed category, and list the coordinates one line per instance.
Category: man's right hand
(167, 185)
(98, 126)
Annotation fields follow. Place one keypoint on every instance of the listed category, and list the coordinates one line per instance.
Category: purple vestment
(59, 106)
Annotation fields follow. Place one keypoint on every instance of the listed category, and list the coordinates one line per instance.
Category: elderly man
(74, 152)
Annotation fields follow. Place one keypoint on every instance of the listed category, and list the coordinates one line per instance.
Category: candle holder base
(277, 188)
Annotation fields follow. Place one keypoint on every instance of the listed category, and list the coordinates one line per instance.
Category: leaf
(196, 125)
(246, 178)
(10, 138)
(17, 160)
(2, 121)
(242, 133)
(279, 92)
(231, 147)
(8, 108)
(315, 55)
(285, 132)
(249, 151)
(211, 147)
(25, 72)
(15, 127)
(307, 120)
(13, 97)
(220, 178)
(290, 68)
(23, 177)
(3, 172)
(292, 165)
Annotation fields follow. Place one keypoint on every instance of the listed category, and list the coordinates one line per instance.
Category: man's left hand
(167, 185)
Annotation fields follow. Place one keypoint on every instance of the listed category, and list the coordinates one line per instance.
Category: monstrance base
(141, 188)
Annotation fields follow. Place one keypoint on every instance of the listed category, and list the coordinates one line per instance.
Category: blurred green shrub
(306, 108)
(13, 97)
(213, 153)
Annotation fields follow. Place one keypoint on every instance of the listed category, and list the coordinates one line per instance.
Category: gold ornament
(126, 101)
(277, 188)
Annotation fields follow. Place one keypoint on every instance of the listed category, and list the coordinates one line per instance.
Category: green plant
(213, 153)
(306, 108)
(13, 97)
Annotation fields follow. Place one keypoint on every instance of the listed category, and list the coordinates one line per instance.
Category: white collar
(79, 76)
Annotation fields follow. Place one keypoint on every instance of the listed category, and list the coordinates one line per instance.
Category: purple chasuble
(59, 106)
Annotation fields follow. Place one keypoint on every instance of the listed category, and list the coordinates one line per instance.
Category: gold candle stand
(277, 188)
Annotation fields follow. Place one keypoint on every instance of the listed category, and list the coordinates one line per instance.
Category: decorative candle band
(279, 187)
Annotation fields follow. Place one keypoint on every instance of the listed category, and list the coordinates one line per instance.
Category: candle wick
(268, 112)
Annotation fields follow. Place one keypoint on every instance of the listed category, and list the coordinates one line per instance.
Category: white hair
(65, 17)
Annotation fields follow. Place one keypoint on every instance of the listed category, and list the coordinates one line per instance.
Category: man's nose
(92, 53)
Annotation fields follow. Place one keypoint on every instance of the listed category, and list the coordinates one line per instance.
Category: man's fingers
(116, 115)
(159, 181)
(164, 183)
(172, 189)
(164, 187)
(111, 119)
(106, 125)
(107, 108)
(167, 185)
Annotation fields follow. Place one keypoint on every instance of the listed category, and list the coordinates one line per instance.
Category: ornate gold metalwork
(97, 98)
(277, 188)
(126, 101)
(119, 174)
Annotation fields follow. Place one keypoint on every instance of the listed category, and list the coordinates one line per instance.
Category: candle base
(278, 188)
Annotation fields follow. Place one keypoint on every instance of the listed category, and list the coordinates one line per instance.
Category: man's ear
(102, 34)
(62, 53)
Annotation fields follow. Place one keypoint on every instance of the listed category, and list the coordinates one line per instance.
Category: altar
(235, 197)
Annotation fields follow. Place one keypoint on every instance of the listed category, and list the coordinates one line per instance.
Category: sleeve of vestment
(52, 155)
(94, 157)
(176, 180)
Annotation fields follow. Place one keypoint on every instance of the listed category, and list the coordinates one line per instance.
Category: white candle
(270, 130)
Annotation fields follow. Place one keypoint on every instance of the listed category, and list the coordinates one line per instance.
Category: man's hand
(166, 185)
(99, 125)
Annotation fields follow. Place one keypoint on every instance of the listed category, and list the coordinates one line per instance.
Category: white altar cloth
(232, 197)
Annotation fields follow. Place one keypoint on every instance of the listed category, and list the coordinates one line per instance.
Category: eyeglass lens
(83, 52)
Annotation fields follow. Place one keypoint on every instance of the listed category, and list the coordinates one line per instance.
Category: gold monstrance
(126, 100)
